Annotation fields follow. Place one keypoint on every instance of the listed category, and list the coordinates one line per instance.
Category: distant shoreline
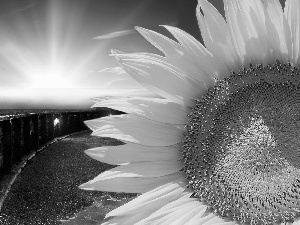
(11, 112)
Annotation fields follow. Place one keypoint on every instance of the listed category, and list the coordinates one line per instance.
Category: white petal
(257, 43)
(156, 109)
(198, 216)
(178, 216)
(278, 30)
(292, 14)
(216, 35)
(129, 219)
(161, 77)
(143, 169)
(132, 185)
(237, 31)
(177, 54)
(206, 219)
(163, 213)
(130, 152)
(247, 30)
(136, 129)
(155, 198)
(226, 223)
(296, 222)
(206, 66)
(161, 42)
(215, 219)
(185, 218)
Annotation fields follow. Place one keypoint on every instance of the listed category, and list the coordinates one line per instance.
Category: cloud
(114, 34)
(115, 81)
(17, 10)
(116, 70)
(26, 7)
(116, 77)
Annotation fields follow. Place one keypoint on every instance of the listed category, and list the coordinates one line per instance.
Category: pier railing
(22, 134)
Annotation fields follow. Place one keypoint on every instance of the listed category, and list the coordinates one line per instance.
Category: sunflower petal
(174, 85)
(174, 52)
(216, 34)
(160, 214)
(278, 30)
(186, 214)
(132, 184)
(152, 199)
(144, 169)
(207, 66)
(132, 128)
(257, 43)
(156, 109)
(207, 219)
(221, 223)
(129, 219)
(292, 14)
(215, 219)
(183, 213)
(185, 69)
(161, 42)
(247, 30)
(175, 212)
(237, 30)
(128, 153)
(294, 223)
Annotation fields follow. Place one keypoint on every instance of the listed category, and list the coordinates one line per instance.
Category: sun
(56, 57)
(50, 77)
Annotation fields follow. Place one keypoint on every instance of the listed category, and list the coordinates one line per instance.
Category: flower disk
(241, 149)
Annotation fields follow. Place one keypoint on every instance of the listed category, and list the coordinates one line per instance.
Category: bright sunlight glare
(56, 57)
(49, 56)
(50, 78)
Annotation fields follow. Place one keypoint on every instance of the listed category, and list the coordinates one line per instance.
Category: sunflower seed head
(242, 151)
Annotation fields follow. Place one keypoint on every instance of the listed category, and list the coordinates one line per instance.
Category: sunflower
(218, 143)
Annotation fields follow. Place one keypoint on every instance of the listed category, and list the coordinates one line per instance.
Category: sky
(55, 53)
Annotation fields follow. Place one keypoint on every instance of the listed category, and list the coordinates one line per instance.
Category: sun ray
(47, 50)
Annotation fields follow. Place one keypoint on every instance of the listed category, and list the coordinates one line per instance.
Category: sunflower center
(242, 146)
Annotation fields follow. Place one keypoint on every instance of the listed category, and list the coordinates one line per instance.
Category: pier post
(42, 129)
(64, 123)
(50, 126)
(16, 139)
(26, 134)
(57, 127)
(34, 131)
(7, 146)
